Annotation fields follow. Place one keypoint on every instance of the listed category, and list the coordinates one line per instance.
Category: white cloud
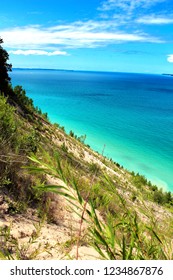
(37, 52)
(170, 58)
(79, 34)
(126, 11)
(128, 5)
(155, 20)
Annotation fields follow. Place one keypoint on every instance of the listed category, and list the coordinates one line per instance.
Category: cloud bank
(119, 23)
(128, 11)
(50, 41)
(128, 5)
(37, 52)
(153, 19)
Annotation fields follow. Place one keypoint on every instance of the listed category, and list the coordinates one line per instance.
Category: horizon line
(99, 71)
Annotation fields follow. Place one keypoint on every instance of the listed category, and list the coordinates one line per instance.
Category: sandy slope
(46, 240)
(56, 237)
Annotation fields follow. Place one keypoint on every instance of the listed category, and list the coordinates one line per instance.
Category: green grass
(117, 235)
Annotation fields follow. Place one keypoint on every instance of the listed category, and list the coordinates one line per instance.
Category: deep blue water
(131, 114)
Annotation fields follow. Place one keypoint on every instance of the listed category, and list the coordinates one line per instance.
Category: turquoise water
(131, 114)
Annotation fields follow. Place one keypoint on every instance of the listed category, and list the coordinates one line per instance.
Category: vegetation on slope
(125, 216)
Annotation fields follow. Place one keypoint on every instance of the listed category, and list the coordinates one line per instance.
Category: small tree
(4, 69)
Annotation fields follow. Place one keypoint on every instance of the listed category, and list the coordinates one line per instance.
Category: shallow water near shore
(130, 116)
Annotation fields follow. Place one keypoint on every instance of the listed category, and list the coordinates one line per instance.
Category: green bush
(22, 99)
(94, 168)
(7, 120)
(162, 197)
(139, 180)
(71, 133)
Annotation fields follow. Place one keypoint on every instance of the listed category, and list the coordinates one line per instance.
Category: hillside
(60, 200)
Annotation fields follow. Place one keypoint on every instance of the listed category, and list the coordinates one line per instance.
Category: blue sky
(105, 35)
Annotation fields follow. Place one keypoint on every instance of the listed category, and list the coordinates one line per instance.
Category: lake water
(131, 115)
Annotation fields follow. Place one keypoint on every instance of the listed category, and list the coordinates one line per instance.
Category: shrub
(139, 180)
(22, 99)
(159, 197)
(94, 168)
(71, 133)
(163, 197)
(7, 120)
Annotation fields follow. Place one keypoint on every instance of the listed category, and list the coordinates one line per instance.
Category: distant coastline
(44, 69)
(84, 71)
(165, 74)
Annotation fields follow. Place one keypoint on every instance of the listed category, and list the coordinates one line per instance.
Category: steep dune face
(50, 227)
(33, 238)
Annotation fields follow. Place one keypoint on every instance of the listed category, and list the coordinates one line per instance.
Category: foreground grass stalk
(119, 235)
(80, 229)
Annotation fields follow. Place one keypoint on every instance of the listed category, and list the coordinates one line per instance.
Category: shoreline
(98, 148)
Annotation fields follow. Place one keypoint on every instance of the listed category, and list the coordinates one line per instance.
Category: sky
(94, 35)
